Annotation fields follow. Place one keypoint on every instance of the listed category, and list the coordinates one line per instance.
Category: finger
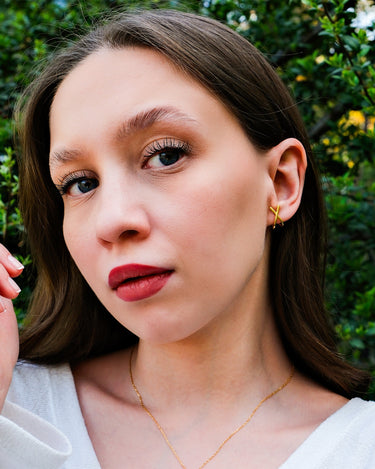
(8, 287)
(11, 264)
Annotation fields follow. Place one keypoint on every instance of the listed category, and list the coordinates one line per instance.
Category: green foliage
(10, 217)
(351, 266)
(328, 63)
(11, 227)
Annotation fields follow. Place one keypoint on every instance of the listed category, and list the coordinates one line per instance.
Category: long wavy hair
(66, 322)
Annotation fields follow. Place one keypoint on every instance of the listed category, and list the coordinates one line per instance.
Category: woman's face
(165, 198)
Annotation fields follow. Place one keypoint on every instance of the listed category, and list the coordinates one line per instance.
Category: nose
(121, 213)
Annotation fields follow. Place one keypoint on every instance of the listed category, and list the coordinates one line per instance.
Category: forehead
(123, 71)
(111, 85)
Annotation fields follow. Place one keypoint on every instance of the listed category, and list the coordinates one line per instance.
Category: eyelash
(68, 180)
(156, 148)
(165, 145)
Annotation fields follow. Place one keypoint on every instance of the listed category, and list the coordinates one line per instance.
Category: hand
(9, 267)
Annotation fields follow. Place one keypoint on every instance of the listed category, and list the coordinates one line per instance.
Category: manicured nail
(2, 306)
(16, 263)
(13, 284)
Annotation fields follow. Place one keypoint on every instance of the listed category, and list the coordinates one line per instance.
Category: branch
(323, 124)
(282, 56)
(347, 55)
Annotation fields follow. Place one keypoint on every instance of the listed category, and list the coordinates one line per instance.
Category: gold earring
(277, 217)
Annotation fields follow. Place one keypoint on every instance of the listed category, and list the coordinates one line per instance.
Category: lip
(133, 282)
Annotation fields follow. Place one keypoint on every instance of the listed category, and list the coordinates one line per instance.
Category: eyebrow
(139, 121)
(145, 119)
(63, 156)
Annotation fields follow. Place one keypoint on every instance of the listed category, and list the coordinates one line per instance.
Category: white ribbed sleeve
(29, 442)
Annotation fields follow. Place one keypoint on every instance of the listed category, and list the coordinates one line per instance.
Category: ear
(287, 168)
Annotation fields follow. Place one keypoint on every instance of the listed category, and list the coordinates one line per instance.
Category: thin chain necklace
(288, 380)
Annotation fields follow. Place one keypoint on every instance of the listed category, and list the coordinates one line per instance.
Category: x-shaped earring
(277, 217)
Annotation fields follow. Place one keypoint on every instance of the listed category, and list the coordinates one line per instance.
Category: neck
(216, 366)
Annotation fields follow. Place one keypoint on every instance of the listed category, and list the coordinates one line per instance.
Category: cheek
(221, 221)
(222, 209)
(77, 239)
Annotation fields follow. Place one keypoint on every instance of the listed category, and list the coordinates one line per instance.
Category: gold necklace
(288, 380)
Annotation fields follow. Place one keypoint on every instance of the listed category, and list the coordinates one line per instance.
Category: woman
(175, 216)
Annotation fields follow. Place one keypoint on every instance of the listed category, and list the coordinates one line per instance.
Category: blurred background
(324, 51)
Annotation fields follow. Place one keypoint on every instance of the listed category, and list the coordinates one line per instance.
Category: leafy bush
(351, 263)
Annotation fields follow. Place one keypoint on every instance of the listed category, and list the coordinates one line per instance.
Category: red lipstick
(134, 282)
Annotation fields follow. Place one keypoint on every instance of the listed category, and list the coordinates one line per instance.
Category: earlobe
(287, 170)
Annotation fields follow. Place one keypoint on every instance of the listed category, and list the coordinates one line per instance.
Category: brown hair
(66, 322)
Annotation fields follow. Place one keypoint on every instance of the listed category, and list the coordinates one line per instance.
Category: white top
(42, 427)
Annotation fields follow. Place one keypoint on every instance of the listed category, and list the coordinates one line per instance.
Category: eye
(84, 185)
(77, 184)
(165, 153)
(165, 158)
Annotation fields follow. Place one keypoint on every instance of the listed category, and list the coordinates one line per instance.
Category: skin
(9, 267)
(209, 350)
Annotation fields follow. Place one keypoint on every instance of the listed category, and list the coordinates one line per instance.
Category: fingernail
(16, 263)
(13, 284)
(2, 306)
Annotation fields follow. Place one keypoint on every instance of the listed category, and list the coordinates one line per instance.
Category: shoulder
(358, 410)
(48, 393)
(344, 440)
(360, 416)
(30, 374)
(37, 387)
(354, 445)
(352, 426)
(27, 369)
